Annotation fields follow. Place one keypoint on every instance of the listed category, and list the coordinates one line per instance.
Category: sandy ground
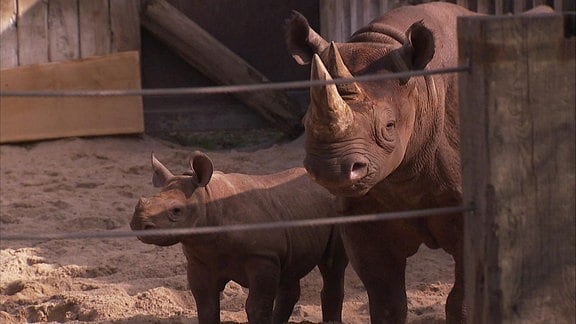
(93, 184)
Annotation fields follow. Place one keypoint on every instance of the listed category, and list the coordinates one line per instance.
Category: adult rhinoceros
(389, 145)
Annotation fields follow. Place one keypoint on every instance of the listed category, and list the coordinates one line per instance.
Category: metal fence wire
(230, 88)
(246, 226)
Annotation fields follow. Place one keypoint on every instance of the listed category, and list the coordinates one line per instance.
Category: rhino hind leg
(287, 296)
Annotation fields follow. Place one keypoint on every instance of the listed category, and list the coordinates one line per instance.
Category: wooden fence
(36, 31)
(340, 18)
(518, 157)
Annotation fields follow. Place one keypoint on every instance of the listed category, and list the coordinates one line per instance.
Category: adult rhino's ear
(203, 167)
(161, 174)
(302, 41)
(417, 51)
(422, 41)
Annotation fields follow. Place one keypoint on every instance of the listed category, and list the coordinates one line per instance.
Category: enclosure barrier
(518, 157)
(518, 160)
(231, 88)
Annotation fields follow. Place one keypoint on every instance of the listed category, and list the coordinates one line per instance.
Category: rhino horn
(348, 91)
(329, 116)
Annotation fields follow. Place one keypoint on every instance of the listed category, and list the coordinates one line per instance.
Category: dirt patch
(93, 184)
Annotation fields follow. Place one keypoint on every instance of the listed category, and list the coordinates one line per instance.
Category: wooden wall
(340, 18)
(38, 31)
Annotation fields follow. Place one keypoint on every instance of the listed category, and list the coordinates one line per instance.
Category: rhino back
(440, 17)
(289, 195)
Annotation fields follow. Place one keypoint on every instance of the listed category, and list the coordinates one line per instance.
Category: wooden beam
(217, 62)
(34, 118)
(518, 157)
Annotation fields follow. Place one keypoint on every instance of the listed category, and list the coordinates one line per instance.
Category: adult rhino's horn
(338, 70)
(329, 115)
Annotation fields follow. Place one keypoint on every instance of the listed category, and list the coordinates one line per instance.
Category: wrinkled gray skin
(269, 262)
(389, 145)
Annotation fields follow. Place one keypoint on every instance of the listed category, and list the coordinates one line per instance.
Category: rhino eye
(390, 126)
(174, 214)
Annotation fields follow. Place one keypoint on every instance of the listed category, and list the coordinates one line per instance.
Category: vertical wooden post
(518, 158)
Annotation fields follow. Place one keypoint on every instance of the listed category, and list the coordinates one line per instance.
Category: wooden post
(217, 62)
(518, 158)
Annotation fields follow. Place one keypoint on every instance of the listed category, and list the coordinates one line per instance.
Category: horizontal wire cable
(233, 89)
(228, 88)
(243, 227)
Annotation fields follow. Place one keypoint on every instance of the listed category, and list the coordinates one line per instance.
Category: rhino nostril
(358, 170)
(149, 227)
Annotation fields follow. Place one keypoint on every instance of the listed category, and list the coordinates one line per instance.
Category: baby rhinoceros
(268, 262)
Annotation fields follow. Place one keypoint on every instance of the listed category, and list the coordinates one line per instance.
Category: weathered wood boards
(518, 158)
(340, 18)
(35, 31)
(217, 62)
(35, 118)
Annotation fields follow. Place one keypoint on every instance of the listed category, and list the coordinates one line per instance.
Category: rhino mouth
(160, 240)
(356, 188)
(352, 190)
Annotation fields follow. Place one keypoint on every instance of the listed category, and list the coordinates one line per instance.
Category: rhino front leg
(386, 292)
(206, 292)
(263, 281)
(381, 269)
(333, 268)
(455, 306)
(288, 295)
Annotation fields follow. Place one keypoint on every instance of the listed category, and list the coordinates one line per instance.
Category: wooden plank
(95, 37)
(386, 5)
(63, 30)
(371, 10)
(8, 34)
(518, 157)
(217, 62)
(335, 20)
(125, 25)
(26, 119)
(520, 6)
(32, 32)
(486, 6)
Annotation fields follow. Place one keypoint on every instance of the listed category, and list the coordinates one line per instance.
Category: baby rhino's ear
(203, 167)
(160, 174)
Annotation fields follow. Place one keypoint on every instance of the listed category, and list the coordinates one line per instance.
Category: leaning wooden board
(28, 118)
